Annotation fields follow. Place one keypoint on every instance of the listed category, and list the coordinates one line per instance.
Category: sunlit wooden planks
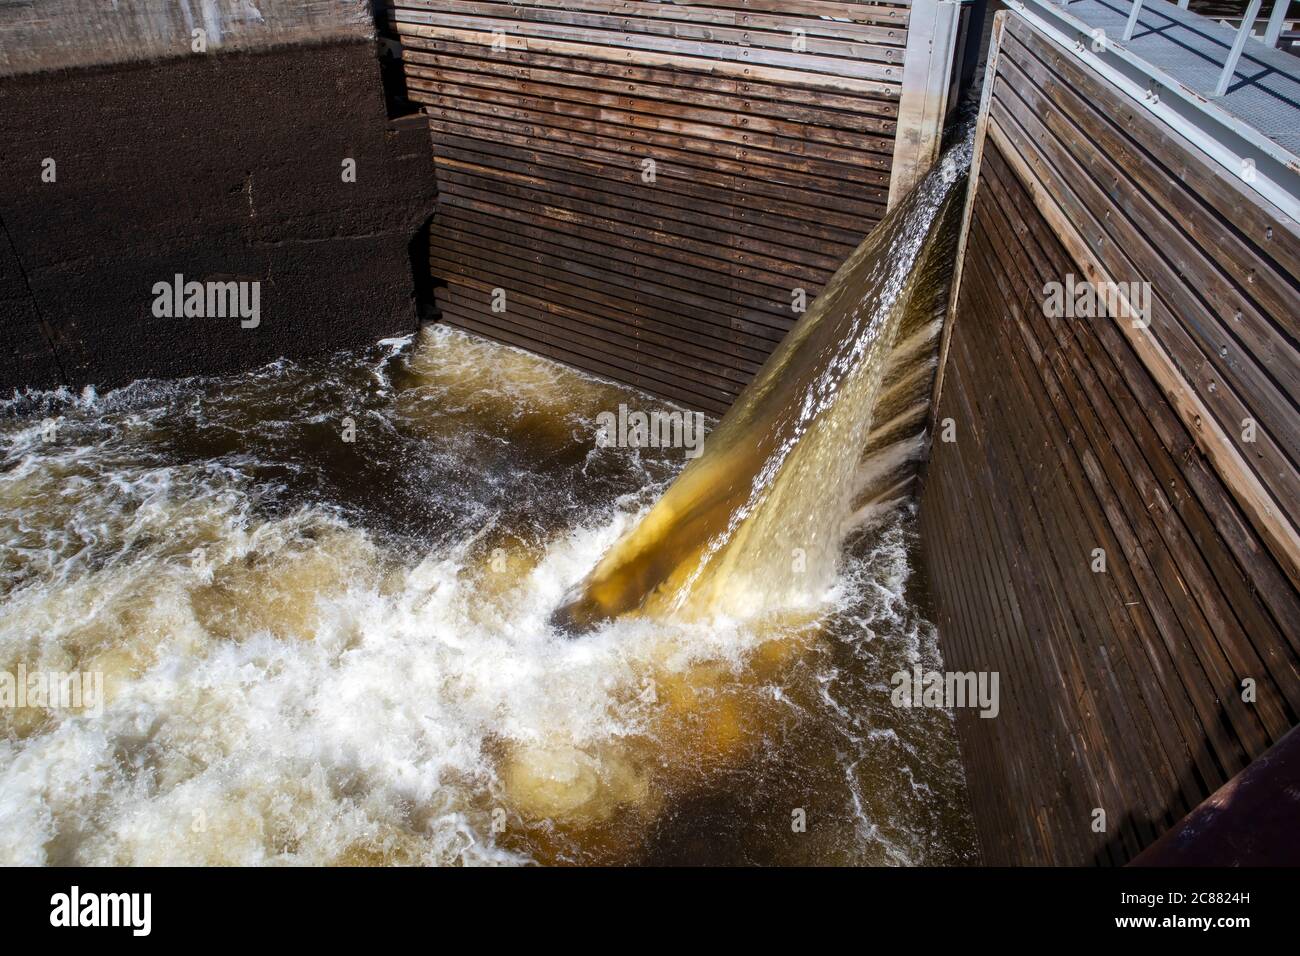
(804, 43)
(659, 184)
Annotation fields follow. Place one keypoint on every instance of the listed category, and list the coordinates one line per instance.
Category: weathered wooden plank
(701, 220)
(594, 360)
(1191, 175)
(1010, 651)
(1101, 436)
(1270, 519)
(686, 263)
(513, 274)
(863, 12)
(1221, 623)
(621, 255)
(573, 68)
(926, 78)
(688, 113)
(837, 83)
(674, 162)
(660, 230)
(820, 38)
(1020, 474)
(885, 63)
(1064, 502)
(627, 355)
(1213, 592)
(785, 21)
(651, 134)
(770, 152)
(780, 213)
(1202, 583)
(1112, 527)
(1132, 629)
(471, 249)
(1139, 242)
(667, 344)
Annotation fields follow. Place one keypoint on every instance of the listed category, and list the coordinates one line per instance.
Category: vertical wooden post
(923, 104)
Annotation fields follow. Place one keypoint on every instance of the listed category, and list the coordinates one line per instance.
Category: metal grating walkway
(1265, 91)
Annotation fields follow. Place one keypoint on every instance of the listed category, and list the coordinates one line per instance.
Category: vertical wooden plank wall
(1120, 690)
(649, 183)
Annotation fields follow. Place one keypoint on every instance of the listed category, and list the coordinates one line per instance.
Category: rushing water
(758, 523)
(320, 597)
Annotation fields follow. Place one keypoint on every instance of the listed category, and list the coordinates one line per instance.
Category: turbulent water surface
(327, 651)
(759, 521)
(323, 604)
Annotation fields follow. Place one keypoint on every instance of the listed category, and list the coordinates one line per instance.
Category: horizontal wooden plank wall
(1121, 690)
(770, 125)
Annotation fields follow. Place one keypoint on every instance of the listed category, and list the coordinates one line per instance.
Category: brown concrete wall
(221, 166)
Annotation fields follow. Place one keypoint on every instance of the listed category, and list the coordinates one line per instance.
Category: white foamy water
(330, 652)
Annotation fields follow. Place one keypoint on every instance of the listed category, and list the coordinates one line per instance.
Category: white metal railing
(1272, 34)
(1223, 132)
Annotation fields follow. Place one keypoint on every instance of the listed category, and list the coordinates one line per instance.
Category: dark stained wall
(222, 166)
(1121, 690)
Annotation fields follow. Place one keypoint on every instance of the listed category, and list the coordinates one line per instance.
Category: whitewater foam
(292, 675)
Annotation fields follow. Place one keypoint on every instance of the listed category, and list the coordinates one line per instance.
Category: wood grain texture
(1122, 691)
(641, 188)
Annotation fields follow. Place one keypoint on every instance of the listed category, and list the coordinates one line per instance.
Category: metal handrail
(1272, 34)
(1210, 122)
(1239, 44)
(1131, 25)
(1275, 22)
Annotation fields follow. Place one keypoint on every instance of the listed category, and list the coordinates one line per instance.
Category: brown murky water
(320, 598)
(330, 652)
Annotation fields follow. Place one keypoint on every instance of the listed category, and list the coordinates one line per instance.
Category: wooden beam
(927, 74)
(972, 183)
